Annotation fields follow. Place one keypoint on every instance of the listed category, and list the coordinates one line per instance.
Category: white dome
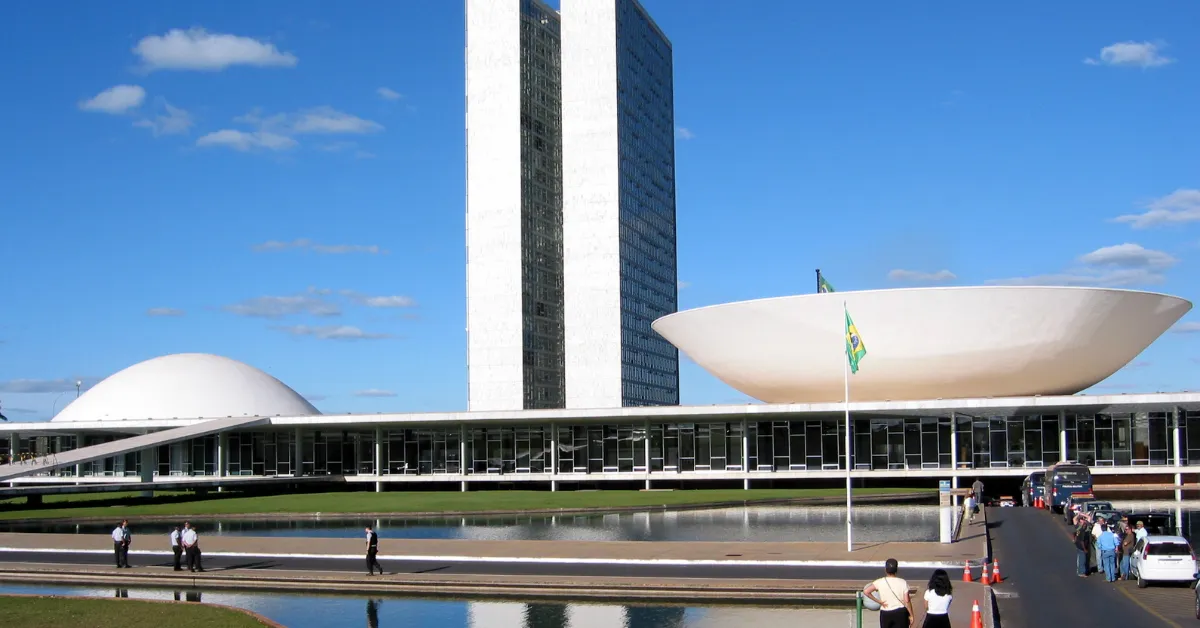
(924, 343)
(186, 386)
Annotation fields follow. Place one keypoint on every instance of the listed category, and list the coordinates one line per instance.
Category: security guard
(191, 545)
(122, 538)
(176, 548)
(372, 552)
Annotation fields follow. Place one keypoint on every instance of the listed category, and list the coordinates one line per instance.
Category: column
(1175, 419)
(378, 459)
(954, 457)
(1062, 435)
(745, 454)
(646, 449)
(78, 445)
(298, 458)
(462, 455)
(14, 447)
(148, 459)
(553, 456)
(222, 447)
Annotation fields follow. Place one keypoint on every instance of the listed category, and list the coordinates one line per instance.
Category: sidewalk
(972, 547)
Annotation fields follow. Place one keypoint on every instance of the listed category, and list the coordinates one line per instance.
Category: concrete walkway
(972, 547)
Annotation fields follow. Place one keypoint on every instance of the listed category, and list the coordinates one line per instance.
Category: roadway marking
(1146, 608)
(521, 559)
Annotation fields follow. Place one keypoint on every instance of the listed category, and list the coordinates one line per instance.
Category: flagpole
(849, 493)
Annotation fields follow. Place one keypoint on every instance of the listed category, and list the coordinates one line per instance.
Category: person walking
(176, 548)
(938, 596)
(970, 506)
(1082, 545)
(977, 488)
(891, 593)
(191, 545)
(121, 539)
(372, 552)
(1107, 544)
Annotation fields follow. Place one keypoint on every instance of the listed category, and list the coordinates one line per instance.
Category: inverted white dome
(924, 343)
(186, 386)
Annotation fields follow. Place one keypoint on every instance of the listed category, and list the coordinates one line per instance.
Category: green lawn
(60, 612)
(72, 506)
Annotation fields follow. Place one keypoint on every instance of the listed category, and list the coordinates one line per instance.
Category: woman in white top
(937, 600)
(891, 593)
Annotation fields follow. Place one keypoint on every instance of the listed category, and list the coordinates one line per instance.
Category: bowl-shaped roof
(924, 343)
(186, 386)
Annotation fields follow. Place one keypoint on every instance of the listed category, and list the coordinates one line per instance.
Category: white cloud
(378, 301)
(684, 133)
(327, 120)
(314, 398)
(164, 311)
(1180, 206)
(174, 121)
(332, 332)
(374, 392)
(1132, 54)
(308, 245)
(680, 285)
(1128, 255)
(116, 100)
(1112, 266)
(278, 307)
(244, 141)
(1187, 327)
(916, 276)
(388, 94)
(198, 49)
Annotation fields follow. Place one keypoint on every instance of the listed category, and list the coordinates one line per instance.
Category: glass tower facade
(541, 208)
(646, 146)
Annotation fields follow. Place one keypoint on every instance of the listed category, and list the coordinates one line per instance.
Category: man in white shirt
(176, 548)
(121, 540)
(1141, 532)
(191, 545)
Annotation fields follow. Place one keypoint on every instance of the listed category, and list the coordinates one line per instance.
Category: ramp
(126, 445)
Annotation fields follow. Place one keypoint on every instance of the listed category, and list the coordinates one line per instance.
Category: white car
(1163, 558)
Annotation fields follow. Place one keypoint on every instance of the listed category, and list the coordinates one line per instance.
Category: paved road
(915, 576)
(1037, 560)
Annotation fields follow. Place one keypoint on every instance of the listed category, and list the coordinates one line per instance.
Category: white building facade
(570, 206)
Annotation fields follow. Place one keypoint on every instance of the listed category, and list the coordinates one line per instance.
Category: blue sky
(283, 183)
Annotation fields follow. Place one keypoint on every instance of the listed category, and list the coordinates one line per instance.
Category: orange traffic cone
(976, 618)
(983, 577)
(1037, 502)
(996, 579)
(967, 571)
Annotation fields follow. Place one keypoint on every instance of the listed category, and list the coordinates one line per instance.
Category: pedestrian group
(185, 543)
(1110, 544)
(895, 604)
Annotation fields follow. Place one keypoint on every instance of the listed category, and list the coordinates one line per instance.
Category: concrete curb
(560, 588)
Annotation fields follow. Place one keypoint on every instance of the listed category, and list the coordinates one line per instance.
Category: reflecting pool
(751, 523)
(296, 611)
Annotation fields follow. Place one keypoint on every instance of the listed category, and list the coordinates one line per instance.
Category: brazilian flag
(855, 349)
(823, 286)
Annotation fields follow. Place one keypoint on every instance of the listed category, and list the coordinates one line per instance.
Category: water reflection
(754, 523)
(334, 612)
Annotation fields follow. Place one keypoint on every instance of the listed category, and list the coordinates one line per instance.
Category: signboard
(944, 486)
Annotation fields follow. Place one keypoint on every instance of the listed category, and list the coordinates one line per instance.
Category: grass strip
(68, 612)
(399, 503)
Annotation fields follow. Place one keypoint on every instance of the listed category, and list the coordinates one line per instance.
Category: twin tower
(570, 206)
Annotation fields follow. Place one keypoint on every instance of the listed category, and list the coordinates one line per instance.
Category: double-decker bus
(1064, 479)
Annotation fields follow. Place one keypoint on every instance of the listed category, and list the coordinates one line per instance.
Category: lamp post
(54, 406)
(78, 384)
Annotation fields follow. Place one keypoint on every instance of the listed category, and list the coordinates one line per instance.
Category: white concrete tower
(514, 206)
(619, 254)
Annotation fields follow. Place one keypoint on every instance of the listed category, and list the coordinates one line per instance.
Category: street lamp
(78, 383)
